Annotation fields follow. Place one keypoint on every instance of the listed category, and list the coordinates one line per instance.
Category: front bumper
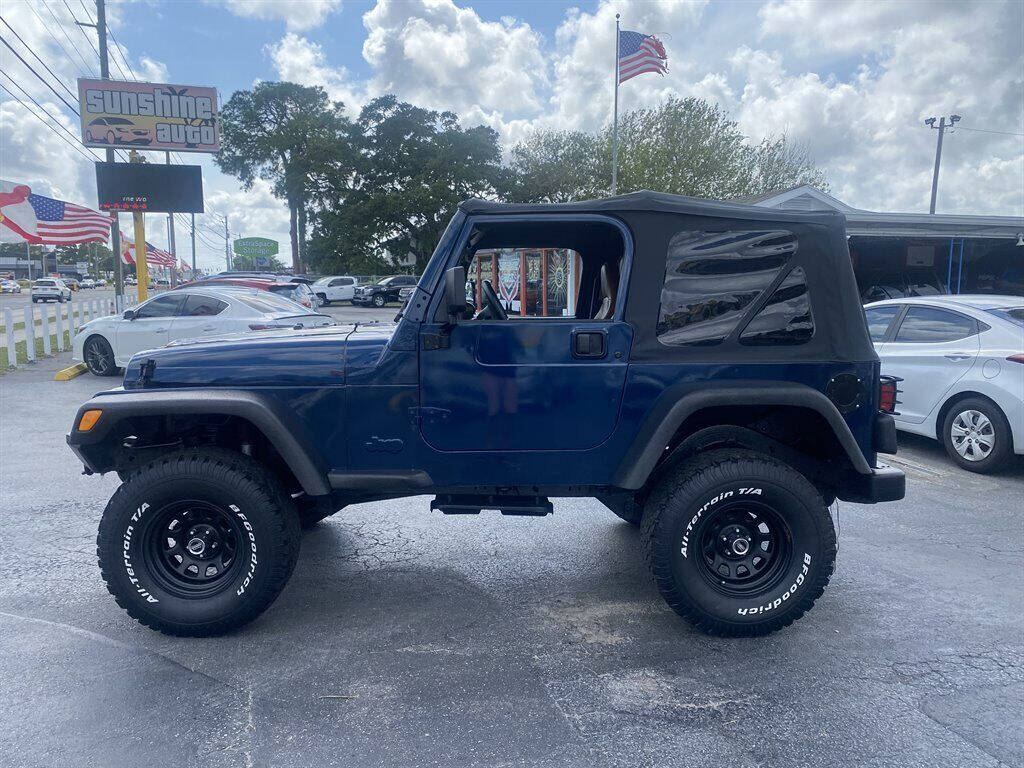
(881, 484)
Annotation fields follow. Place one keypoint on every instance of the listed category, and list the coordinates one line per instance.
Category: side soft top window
(713, 280)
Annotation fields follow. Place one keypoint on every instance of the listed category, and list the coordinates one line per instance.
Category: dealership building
(920, 252)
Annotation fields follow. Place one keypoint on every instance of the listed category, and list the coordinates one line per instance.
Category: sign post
(141, 268)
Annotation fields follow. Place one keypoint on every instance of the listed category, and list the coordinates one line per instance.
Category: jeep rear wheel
(198, 544)
(739, 544)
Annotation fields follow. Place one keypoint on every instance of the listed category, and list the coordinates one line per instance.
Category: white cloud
(301, 61)
(298, 15)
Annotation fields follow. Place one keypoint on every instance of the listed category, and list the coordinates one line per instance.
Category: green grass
(21, 351)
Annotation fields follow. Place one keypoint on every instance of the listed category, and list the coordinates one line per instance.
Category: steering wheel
(492, 304)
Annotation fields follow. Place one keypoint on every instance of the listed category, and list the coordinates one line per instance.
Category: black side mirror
(129, 314)
(455, 292)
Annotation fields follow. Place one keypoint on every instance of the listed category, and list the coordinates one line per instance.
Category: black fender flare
(279, 424)
(678, 403)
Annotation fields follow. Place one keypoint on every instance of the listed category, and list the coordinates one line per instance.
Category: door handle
(957, 356)
(588, 344)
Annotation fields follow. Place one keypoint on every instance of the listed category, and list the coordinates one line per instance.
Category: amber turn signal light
(88, 420)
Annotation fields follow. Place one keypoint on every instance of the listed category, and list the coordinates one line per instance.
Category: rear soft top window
(713, 278)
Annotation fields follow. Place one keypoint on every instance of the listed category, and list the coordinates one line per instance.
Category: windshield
(383, 281)
(1013, 314)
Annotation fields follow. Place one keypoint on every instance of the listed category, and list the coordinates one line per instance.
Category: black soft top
(659, 202)
(654, 218)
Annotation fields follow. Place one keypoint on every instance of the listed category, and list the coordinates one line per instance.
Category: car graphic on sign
(109, 130)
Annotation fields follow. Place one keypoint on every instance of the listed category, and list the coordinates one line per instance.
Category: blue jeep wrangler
(703, 370)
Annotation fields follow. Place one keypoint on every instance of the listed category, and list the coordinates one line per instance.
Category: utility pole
(115, 226)
(170, 236)
(941, 128)
(227, 249)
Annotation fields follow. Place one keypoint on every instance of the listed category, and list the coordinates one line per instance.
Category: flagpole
(615, 118)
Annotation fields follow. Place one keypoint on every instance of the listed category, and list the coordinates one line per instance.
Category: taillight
(887, 392)
(1016, 358)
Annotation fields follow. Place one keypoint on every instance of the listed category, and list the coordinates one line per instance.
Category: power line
(32, 51)
(82, 29)
(94, 25)
(985, 130)
(43, 80)
(49, 31)
(67, 37)
(35, 114)
(118, 48)
(41, 107)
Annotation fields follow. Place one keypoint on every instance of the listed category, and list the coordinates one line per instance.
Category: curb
(66, 374)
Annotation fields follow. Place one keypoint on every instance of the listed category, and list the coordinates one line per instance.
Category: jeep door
(549, 377)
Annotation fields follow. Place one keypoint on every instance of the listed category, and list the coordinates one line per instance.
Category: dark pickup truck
(707, 376)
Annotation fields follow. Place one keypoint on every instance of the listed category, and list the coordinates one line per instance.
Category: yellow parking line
(66, 374)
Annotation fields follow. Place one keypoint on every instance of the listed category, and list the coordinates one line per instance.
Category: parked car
(10, 286)
(88, 282)
(300, 293)
(895, 285)
(73, 283)
(693, 389)
(50, 289)
(406, 293)
(961, 361)
(383, 291)
(335, 288)
(107, 343)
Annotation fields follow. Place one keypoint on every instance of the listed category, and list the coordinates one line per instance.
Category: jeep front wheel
(198, 544)
(379, 300)
(739, 544)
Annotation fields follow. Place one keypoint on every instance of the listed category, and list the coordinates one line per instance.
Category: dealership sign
(181, 118)
(255, 246)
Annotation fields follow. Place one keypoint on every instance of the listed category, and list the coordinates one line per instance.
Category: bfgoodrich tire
(739, 544)
(198, 544)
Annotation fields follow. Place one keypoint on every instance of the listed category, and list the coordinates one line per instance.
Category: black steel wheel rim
(96, 357)
(745, 548)
(193, 548)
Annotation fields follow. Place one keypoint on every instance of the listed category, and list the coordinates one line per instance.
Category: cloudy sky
(852, 81)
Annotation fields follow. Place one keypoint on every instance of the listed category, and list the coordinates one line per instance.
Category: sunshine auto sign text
(148, 115)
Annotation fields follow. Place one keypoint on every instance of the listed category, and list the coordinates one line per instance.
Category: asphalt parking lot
(409, 638)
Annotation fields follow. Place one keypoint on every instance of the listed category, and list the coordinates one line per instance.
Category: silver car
(961, 359)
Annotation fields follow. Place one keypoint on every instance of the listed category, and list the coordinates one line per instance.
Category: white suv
(50, 289)
(335, 288)
(961, 359)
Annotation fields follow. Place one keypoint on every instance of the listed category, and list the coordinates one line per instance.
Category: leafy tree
(287, 134)
(684, 146)
(410, 167)
(558, 167)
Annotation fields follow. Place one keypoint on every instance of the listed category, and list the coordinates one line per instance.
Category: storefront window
(530, 282)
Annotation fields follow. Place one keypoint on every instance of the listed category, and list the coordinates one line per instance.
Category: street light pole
(941, 128)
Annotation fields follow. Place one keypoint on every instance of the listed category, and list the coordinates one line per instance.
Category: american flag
(640, 53)
(40, 220)
(155, 257)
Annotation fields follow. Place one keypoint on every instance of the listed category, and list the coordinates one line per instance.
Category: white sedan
(108, 343)
(961, 359)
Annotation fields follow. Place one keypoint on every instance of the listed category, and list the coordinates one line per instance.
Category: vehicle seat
(609, 290)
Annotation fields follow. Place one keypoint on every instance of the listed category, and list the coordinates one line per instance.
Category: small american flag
(639, 53)
(32, 218)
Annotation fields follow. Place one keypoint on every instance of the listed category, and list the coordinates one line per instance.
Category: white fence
(46, 329)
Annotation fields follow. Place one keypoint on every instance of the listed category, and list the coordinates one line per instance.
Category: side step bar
(533, 506)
